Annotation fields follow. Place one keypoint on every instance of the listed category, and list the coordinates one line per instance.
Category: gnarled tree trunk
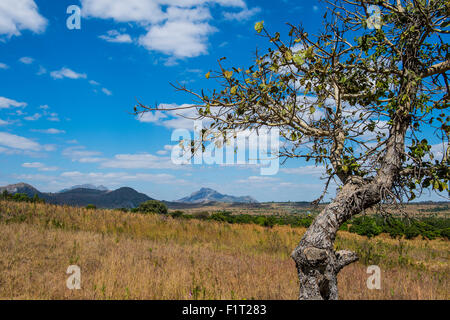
(318, 264)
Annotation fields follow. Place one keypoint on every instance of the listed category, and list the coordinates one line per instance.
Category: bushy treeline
(427, 227)
(151, 206)
(370, 226)
(20, 197)
(266, 221)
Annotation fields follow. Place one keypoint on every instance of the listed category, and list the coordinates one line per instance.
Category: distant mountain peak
(210, 195)
(86, 186)
(83, 195)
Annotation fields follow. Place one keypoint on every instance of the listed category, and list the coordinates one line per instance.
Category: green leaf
(299, 59)
(259, 26)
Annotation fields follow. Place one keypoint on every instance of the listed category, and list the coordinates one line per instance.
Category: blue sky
(66, 95)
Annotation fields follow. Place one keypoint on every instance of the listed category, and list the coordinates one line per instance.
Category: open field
(135, 256)
(285, 208)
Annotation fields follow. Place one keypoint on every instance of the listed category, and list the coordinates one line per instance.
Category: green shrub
(152, 206)
(91, 207)
(176, 214)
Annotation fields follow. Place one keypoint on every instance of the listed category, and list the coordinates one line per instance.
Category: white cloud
(17, 142)
(173, 119)
(94, 83)
(49, 131)
(41, 71)
(106, 91)
(34, 117)
(67, 73)
(116, 178)
(116, 36)
(53, 117)
(139, 161)
(90, 160)
(306, 170)
(3, 66)
(38, 165)
(32, 165)
(26, 60)
(178, 28)
(182, 39)
(18, 15)
(166, 150)
(3, 122)
(243, 15)
(79, 152)
(6, 103)
(44, 107)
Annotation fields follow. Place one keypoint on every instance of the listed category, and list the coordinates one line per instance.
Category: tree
(360, 99)
(153, 206)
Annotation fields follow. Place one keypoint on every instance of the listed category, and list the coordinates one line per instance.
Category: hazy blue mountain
(29, 190)
(208, 195)
(86, 186)
(120, 198)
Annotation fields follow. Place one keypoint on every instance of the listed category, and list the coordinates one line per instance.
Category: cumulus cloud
(3, 66)
(178, 38)
(6, 103)
(18, 15)
(116, 36)
(177, 28)
(67, 73)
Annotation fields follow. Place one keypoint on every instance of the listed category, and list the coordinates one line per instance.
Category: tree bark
(318, 264)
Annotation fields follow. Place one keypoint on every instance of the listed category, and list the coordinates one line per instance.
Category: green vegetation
(91, 206)
(152, 206)
(370, 226)
(20, 197)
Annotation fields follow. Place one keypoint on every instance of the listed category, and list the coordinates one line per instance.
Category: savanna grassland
(136, 256)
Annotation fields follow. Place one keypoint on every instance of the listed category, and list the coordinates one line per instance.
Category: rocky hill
(210, 195)
(120, 198)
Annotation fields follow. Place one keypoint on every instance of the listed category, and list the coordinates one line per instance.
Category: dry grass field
(135, 256)
(286, 208)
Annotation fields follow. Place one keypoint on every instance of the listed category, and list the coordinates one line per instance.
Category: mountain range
(210, 195)
(86, 186)
(125, 197)
(120, 198)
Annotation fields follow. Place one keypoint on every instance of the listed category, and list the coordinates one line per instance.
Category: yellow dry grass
(134, 256)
